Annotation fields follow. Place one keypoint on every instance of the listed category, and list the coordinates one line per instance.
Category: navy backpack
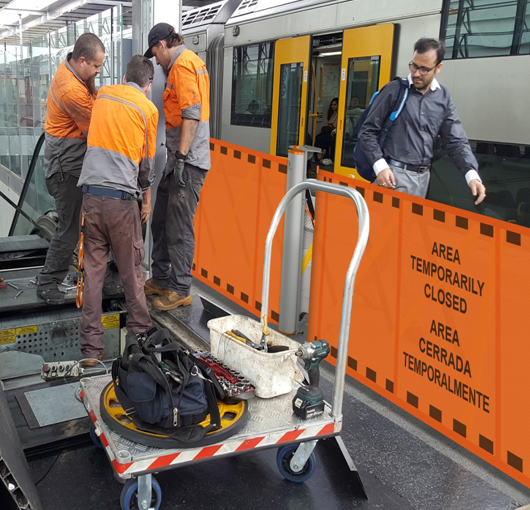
(362, 165)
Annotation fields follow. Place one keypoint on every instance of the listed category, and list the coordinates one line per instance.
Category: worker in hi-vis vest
(118, 170)
(187, 113)
(69, 108)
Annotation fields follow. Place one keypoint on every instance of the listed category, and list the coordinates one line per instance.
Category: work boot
(110, 287)
(52, 296)
(91, 363)
(152, 289)
(170, 301)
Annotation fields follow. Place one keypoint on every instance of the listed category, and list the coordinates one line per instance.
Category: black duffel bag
(162, 389)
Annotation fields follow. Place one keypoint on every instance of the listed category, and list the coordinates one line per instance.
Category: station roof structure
(37, 17)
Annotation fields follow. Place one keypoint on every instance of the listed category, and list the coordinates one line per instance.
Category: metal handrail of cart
(271, 423)
(347, 296)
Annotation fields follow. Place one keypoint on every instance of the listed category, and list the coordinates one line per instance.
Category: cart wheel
(95, 438)
(129, 495)
(283, 458)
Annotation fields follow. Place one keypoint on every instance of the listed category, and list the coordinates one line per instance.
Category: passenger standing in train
(404, 162)
(118, 169)
(70, 100)
(187, 112)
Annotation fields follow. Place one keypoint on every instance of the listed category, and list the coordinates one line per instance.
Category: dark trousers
(173, 232)
(68, 198)
(111, 223)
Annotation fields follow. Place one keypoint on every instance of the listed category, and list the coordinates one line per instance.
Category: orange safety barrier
(238, 200)
(438, 317)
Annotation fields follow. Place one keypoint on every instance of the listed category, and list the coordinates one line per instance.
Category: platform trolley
(271, 422)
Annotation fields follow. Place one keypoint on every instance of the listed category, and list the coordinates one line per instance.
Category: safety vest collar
(134, 85)
(177, 54)
(71, 69)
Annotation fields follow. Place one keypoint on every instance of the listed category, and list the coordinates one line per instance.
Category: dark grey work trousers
(111, 223)
(173, 232)
(68, 198)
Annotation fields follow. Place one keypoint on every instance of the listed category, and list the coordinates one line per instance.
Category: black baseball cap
(156, 34)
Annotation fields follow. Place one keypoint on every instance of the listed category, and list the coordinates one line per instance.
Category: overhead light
(330, 53)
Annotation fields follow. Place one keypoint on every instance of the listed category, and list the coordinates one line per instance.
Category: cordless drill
(309, 401)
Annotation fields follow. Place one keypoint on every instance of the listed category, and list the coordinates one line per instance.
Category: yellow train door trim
(376, 40)
(290, 51)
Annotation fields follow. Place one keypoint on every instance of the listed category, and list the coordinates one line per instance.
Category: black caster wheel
(283, 459)
(95, 438)
(129, 495)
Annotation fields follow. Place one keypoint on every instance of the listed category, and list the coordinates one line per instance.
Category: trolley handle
(364, 229)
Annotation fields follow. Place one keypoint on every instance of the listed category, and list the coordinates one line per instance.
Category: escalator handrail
(31, 169)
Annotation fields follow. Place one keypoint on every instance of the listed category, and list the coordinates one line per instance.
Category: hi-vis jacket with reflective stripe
(187, 96)
(67, 119)
(122, 140)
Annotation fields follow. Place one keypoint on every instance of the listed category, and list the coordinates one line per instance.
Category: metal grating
(54, 340)
(202, 15)
(246, 7)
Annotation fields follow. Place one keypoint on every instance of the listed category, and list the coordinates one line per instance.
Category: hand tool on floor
(309, 401)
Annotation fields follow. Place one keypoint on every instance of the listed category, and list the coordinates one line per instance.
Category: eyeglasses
(423, 70)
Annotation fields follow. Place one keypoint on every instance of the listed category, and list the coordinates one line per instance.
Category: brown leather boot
(170, 301)
(152, 289)
(91, 363)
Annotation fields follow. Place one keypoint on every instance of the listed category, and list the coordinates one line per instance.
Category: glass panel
(289, 106)
(363, 80)
(252, 82)
(505, 171)
(525, 36)
(480, 28)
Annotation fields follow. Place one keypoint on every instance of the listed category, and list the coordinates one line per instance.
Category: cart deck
(271, 423)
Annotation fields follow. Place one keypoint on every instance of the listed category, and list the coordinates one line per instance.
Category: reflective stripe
(57, 101)
(138, 109)
(169, 86)
(201, 71)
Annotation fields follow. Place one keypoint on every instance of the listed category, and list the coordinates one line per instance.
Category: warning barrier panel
(438, 316)
(238, 200)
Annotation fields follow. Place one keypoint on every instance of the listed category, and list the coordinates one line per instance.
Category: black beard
(91, 84)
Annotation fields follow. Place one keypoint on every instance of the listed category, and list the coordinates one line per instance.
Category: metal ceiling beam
(65, 9)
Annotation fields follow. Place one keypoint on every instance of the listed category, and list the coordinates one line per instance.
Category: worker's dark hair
(173, 39)
(426, 44)
(140, 70)
(88, 45)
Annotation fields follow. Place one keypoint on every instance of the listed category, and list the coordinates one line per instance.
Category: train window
(363, 80)
(485, 28)
(505, 171)
(289, 106)
(252, 82)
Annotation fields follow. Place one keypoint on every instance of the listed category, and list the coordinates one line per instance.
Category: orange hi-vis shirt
(187, 96)
(122, 140)
(68, 115)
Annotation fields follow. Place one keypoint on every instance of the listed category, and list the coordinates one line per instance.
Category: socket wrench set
(234, 386)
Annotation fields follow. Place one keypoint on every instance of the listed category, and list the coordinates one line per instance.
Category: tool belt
(420, 169)
(107, 192)
(162, 389)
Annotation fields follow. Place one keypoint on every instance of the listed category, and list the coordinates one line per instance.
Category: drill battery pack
(308, 402)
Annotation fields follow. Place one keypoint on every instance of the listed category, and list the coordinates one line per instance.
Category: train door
(289, 101)
(365, 67)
